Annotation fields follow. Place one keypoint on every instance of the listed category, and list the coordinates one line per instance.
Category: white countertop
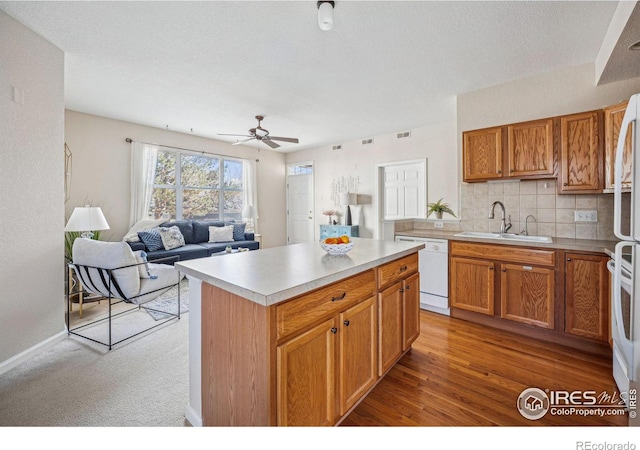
(587, 245)
(272, 275)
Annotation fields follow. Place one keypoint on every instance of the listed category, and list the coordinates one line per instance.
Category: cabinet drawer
(305, 310)
(504, 253)
(397, 269)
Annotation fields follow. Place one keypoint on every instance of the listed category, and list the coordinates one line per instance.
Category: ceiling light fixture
(325, 15)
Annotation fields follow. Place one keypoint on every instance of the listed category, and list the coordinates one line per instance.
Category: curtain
(249, 191)
(144, 158)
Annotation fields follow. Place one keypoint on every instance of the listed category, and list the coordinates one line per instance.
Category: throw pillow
(151, 239)
(238, 231)
(143, 266)
(141, 225)
(171, 237)
(221, 234)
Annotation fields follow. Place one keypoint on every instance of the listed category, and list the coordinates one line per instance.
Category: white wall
(565, 91)
(102, 164)
(436, 143)
(31, 174)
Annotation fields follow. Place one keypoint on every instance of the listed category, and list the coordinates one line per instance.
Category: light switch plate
(438, 224)
(585, 216)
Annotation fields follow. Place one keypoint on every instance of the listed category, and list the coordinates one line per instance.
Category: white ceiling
(385, 67)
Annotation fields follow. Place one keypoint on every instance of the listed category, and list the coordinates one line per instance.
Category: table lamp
(346, 199)
(87, 219)
(250, 213)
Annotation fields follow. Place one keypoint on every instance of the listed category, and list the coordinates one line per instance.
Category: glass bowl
(336, 249)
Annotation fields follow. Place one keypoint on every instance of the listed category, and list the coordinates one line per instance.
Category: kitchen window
(192, 186)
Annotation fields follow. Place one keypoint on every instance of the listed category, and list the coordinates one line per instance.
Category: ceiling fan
(260, 134)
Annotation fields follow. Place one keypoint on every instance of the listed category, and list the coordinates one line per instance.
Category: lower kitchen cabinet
(527, 294)
(398, 309)
(551, 294)
(472, 284)
(334, 343)
(390, 332)
(411, 310)
(358, 356)
(587, 295)
(308, 373)
(306, 377)
(526, 291)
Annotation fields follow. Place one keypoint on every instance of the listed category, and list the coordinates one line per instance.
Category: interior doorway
(300, 195)
(402, 193)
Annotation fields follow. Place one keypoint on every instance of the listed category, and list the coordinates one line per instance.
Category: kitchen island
(294, 336)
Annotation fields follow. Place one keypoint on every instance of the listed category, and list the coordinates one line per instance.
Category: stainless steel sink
(505, 236)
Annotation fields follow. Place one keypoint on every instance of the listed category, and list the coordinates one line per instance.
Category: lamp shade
(348, 198)
(249, 212)
(87, 218)
(325, 15)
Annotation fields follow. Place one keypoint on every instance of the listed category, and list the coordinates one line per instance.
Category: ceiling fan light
(325, 15)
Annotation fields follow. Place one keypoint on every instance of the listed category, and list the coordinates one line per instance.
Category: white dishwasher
(433, 264)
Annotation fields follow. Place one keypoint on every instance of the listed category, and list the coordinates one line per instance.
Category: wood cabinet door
(389, 326)
(306, 377)
(530, 148)
(358, 367)
(472, 284)
(410, 310)
(613, 116)
(482, 154)
(580, 153)
(527, 294)
(587, 295)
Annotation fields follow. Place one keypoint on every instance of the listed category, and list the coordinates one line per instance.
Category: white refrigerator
(625, 294)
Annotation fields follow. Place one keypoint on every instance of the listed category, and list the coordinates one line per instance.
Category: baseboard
(193, 417)
(29, 353)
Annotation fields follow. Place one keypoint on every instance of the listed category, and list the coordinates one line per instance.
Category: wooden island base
(308, 360)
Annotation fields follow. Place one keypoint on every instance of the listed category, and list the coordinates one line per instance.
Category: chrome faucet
(504, 226)
(526, 224)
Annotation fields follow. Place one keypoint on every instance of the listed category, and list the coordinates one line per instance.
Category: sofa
(197, 240)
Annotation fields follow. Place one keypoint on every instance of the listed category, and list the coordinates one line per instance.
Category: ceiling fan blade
(245, 135)
(284, 139)
(269, 143)
(241, 142)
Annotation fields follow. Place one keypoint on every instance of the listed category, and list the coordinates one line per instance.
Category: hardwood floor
(462, 374)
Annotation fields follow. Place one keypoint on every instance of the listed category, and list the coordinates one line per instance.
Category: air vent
(406, 134)
(337, 147)
(367, 141)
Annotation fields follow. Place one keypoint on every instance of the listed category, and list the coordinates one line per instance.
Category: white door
(300, 208)
(404, 191)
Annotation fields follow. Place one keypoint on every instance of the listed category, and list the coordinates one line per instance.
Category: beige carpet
(141, 382)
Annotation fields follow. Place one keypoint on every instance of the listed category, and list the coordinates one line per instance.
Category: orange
(344, 239)
(331, 240)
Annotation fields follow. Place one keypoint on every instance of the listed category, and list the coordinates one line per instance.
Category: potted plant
(438, 208)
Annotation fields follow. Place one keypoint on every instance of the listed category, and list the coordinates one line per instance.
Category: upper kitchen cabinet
(613, 116)
(482, 154)
(530, 149)
(580, 153)
(521, 150)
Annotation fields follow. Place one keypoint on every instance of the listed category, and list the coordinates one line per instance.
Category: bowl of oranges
(336, 245)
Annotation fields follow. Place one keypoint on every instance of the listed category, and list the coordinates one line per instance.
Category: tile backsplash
(553, 213)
